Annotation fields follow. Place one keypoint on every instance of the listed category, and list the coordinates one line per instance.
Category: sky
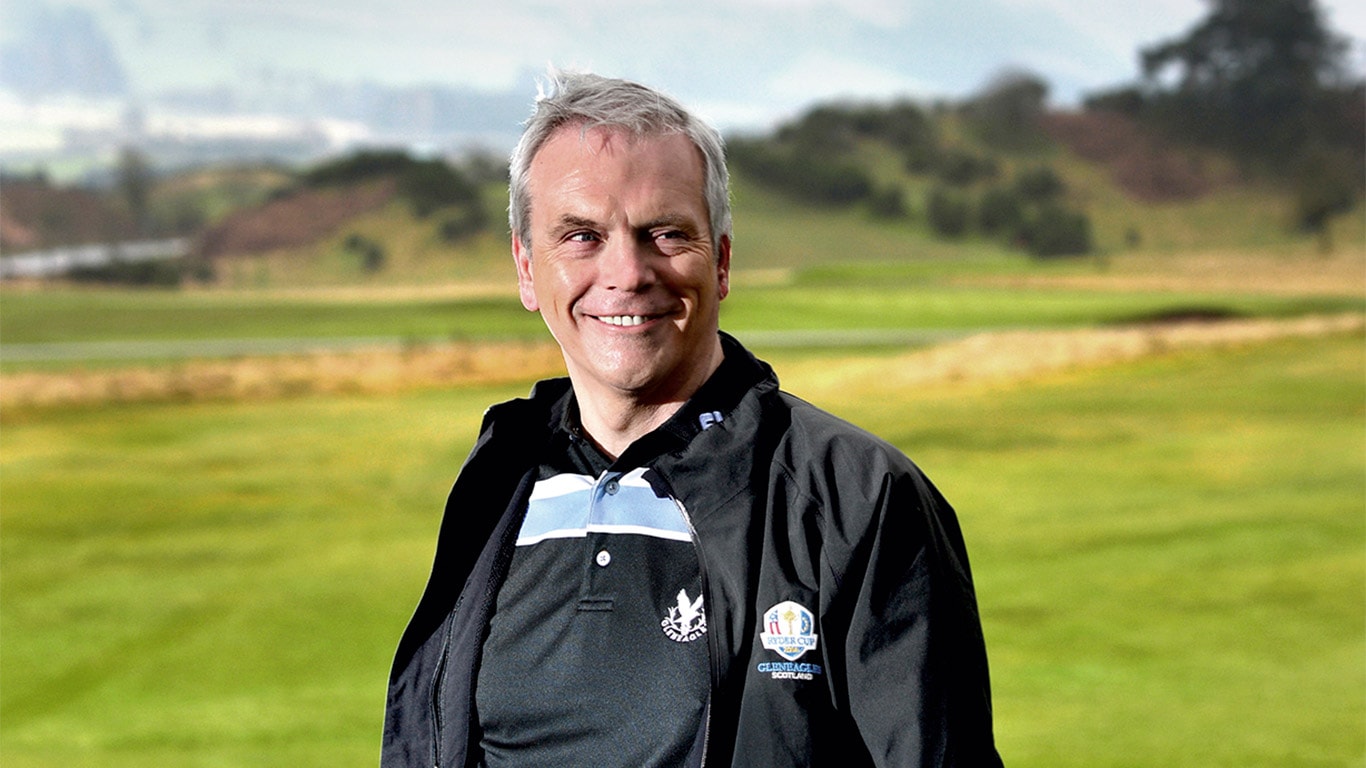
(737, 62)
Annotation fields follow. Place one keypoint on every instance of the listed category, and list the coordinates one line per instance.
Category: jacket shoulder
(853, 480)
(819, 441)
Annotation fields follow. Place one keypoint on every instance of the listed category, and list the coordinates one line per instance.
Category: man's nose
(626, 264)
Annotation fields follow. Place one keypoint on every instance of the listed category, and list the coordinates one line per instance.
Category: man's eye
(582, 237)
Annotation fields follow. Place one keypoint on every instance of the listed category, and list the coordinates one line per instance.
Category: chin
(631, 373)
(631, 379)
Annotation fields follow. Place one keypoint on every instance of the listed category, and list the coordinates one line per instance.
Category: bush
(825, 129)
(427, 185)
(432, 184)
(1056, 231)
(903, 126)
(371, 253)
(834, 128)
(889, 203)
(1000, 211)
(962, 168)
(1006, 115)
(1327, 182)
(463, 224)
(922, 159)
(948, 212)
(1039, 184)
(160, 273)
(801, 174)
(361, 166)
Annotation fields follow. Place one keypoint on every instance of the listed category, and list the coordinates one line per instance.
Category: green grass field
(1168, 556)
(1169, 552)
(919, 295)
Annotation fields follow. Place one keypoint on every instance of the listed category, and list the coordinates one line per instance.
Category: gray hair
(592, 101)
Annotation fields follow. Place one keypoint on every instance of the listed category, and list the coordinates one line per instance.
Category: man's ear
(723, 266)
(526, 288)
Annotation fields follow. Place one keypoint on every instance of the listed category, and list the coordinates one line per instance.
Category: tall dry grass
(989, 356)
(363, 371)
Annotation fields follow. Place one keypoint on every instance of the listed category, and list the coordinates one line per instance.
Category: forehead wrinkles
(570, 174)
(565, 164)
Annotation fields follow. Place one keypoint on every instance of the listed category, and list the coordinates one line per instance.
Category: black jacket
(787, 505)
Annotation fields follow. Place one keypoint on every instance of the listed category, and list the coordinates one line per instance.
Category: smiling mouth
(624, 321)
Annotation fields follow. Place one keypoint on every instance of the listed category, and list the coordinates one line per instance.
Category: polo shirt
(596, 653)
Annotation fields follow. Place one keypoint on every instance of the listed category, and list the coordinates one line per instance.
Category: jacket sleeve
(912, 656)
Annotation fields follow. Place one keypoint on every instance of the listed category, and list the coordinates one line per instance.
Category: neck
(615, 428)
(613, 419)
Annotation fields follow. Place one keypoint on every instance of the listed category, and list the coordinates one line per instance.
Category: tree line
(1267, 82)
(967, 186)
(1264, 82)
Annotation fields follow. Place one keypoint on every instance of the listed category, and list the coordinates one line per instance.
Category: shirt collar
(708, 407)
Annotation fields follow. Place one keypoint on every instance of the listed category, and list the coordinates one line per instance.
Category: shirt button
(612, 487)
(604, 557)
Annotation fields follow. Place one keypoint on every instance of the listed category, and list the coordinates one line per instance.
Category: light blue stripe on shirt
(572, 506)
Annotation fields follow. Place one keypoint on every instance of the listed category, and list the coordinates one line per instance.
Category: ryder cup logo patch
(789, 630)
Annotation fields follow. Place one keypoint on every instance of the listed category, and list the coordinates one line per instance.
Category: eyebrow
(569, 222)
(677, 221)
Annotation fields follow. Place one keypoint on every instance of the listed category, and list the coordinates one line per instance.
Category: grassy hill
(268, 228)
(773, 231)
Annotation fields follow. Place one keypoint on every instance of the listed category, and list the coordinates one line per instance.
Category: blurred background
(1100, 268)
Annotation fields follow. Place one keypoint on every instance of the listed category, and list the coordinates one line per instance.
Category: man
(663, 559)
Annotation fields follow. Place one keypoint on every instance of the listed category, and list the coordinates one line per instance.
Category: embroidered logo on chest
(686, 620)
(789, 630)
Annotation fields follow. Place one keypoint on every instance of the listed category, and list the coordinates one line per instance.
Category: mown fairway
(924, 296)
(1168, 554)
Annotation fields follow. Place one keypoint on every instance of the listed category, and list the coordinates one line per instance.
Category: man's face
(621, 264)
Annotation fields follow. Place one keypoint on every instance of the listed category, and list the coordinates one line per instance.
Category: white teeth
(623, 319)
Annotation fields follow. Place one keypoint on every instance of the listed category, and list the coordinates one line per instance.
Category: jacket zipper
(437, 724)
(711, 648)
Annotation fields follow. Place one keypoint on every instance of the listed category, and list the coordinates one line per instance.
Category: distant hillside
(292, 221)
(1000, 177)
(1144, 166)
(36, 215)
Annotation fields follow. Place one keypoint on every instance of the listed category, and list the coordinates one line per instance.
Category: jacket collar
(551, 407)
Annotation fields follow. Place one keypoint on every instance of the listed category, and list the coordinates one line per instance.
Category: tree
(1039, 183)
(1250, 76)
(888, 203)
(1327, 183)
(1000, 211)
(1056, 231)
(135, 183)
(1006, 114)
(948, 212)
(961, 167)
(430, 185)
(800, 172)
